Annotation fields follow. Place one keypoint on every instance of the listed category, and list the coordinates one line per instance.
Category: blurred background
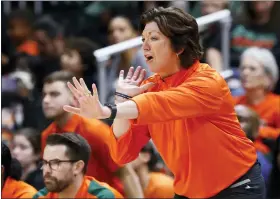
(38, 38)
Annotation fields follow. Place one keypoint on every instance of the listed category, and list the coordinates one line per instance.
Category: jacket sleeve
(199, 96)
(96, 132)
(127, 147)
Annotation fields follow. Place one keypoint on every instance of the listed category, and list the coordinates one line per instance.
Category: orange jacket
(17, 189)
(90, 188)
(268, 109)
(160, 186)
(260, 146)
(190, 117)
(101, 166)
(29, 47)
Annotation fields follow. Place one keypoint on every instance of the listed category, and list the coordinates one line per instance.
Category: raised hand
(89, 104)
(131, 84)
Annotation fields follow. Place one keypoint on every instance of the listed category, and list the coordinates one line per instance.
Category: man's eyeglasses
(54, 164)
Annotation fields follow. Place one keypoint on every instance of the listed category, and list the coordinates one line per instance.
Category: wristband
(113, 109)
(122, 95)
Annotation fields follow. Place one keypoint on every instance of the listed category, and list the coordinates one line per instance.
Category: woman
(26, 149)
(77, 59)
(259, 74)
(208, 153)
(121, 29)
(255, 26)
(154, 183)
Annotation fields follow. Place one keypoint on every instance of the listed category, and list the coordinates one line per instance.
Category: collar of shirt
(70, 126)
(177, 78)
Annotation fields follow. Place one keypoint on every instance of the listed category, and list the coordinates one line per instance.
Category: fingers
(121, 75)
(136, 73)
(78, 85)
(141, 76)
(71, 109)
(74, 91)
(130, 73)
(95, 92)
(145, 87)
(82, 82)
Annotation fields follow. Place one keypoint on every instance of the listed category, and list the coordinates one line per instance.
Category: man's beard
(54, 185)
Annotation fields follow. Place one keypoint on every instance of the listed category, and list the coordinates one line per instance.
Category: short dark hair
(84, 47)
(16, 169)
(33, 136)
(153, 163)
(180, 27)
(51, 28)
(77, 146)
(64, 76)
(6, 159)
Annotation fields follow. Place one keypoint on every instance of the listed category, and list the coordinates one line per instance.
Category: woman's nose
(146, 46)
(15, 151)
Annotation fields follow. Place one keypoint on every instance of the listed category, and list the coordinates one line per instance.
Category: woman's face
(120, 30)
(158, 51)
(252, 74)
(210, 6)
(22, 150)
(71, 61)
(262, 7)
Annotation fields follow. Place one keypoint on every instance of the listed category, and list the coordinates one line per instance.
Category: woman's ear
(180, 52)
(268, 82)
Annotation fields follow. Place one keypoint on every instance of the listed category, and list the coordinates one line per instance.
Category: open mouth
(149, 58)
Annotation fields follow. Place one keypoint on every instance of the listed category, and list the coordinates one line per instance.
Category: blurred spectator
(209, 7)
(254, 28)
(147, 168)
(250, 123)
(56, 95)
(49, 36)
(20, 32)
(259, 74)
(273, 189)
(7, 136)
(27, 149)
(50, 40)
(20, 104)
(64, 164)
(79, 60)
(10, 185)
(121, 29)
(209, 33)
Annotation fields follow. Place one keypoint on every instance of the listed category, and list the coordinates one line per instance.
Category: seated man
(55, 95)
(11, 186)
(64, 166)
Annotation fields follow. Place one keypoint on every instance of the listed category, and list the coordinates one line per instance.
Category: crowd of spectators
(40, 53)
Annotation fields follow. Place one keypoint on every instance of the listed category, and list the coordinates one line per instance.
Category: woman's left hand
(89, 104)
(131, 84)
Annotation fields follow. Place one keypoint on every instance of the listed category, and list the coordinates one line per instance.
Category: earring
(177, 55)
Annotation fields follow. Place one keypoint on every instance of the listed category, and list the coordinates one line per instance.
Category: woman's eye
(153, 38)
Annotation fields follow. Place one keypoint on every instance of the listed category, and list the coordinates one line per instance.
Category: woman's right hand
(131, 84)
